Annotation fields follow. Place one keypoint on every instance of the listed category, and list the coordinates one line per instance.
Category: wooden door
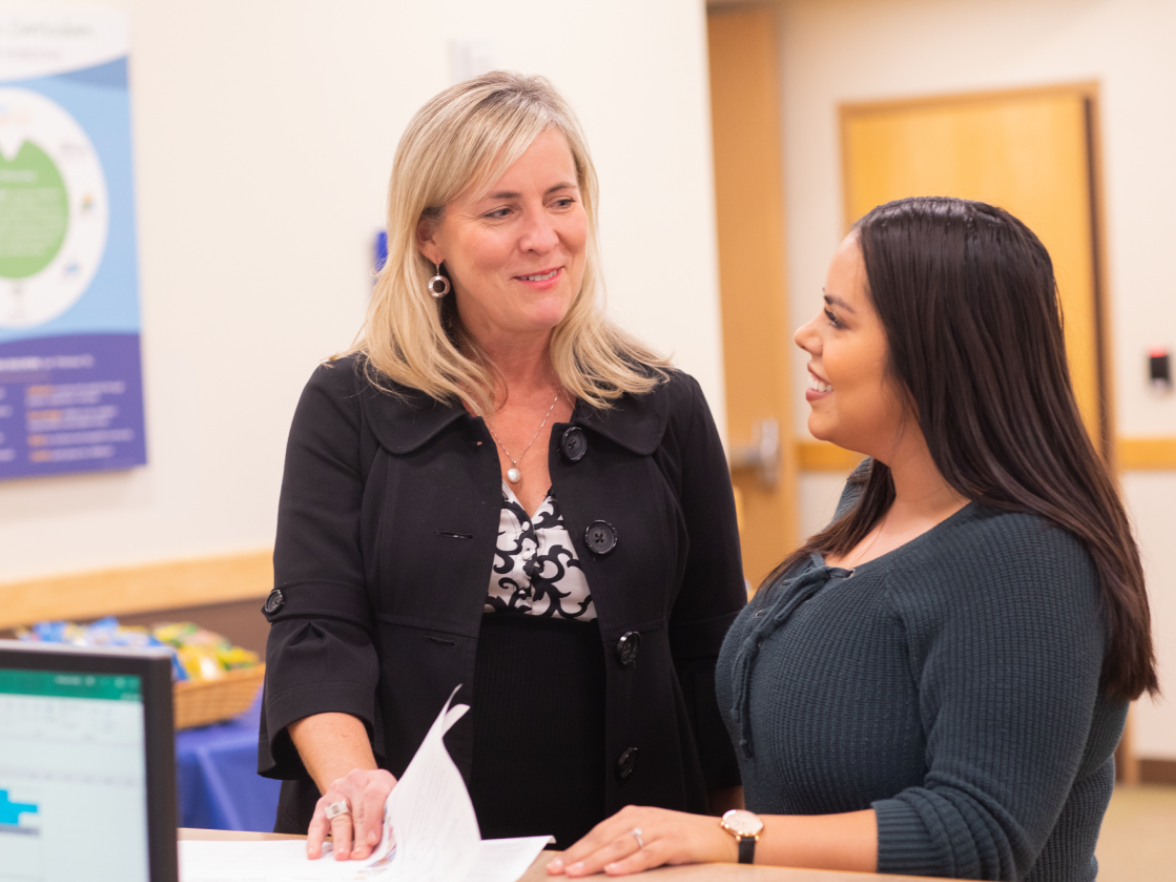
(1029, 151)
(749, 197)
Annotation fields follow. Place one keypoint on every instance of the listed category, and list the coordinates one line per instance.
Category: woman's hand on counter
(846, 841)
(636, 839)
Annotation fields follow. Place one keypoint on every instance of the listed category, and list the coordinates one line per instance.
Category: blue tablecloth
(216, 768)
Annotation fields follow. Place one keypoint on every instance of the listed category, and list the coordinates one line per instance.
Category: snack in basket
(213, 680)
(203, 654)
(197, 653)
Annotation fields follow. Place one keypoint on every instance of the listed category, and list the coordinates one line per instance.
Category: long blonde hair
(469, 135)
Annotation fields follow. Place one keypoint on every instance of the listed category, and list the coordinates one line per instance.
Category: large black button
(601, 537)
(627, 647)
(274, 602)
(574, 444)
(627, 762)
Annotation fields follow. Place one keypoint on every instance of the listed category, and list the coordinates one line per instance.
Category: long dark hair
(967, 297)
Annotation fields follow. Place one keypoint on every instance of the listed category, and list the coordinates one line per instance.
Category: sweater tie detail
(789, 594)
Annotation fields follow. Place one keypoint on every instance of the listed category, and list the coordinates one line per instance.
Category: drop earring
(438, 285)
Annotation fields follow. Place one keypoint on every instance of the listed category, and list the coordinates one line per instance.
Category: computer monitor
(87, 764)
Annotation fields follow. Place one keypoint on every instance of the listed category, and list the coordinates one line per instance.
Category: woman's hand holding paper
(337, 754)
(356, 832)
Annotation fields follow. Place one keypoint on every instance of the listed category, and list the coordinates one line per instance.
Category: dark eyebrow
(511, 195)
(834, 300)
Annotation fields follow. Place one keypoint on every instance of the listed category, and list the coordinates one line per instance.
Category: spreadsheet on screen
(73, 782)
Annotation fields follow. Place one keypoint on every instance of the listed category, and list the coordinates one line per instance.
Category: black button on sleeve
(600, 537)
(627, 647)
(573, 444)
(627, 762)
(274, 602)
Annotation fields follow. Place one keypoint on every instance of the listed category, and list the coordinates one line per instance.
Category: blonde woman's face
(516, 255)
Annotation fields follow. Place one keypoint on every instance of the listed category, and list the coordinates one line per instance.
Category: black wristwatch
(746, 827)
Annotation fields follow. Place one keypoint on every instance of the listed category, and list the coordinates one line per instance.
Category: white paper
(430, 811)
(499, 860)
(430, 835)
(261, 862)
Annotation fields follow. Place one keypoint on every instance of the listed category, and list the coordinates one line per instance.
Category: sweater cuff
(905, 845)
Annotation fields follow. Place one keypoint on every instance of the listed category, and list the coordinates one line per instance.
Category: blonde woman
(499, 488)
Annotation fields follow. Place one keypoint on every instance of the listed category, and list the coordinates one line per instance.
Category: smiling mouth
(541, 277)
(818, 385)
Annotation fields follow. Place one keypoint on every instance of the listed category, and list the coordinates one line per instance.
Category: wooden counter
(692, 873)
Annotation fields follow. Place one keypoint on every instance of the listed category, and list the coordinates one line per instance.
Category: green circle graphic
(34, 212)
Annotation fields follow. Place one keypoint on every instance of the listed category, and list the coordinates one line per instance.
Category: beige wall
(859, 50)
(263, 135)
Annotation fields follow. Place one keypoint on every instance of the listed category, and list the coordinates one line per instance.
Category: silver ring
(636, 834)
(337, 808)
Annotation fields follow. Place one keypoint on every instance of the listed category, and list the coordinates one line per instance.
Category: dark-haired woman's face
(853, 401)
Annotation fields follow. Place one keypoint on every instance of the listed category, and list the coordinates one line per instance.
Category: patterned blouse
(536, 571)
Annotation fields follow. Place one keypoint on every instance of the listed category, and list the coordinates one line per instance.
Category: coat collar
(636, 422)
(407, 421)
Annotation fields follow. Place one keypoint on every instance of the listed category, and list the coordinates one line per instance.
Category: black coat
(387, 528)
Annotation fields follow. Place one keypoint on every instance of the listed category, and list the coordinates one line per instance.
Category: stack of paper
(430, 834)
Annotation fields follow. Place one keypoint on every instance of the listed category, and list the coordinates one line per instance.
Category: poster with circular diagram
(53, 210)
(70, 369)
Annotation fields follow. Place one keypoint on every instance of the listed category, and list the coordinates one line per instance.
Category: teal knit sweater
(952, 685)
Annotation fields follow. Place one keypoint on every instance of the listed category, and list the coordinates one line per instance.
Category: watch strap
(747, 849)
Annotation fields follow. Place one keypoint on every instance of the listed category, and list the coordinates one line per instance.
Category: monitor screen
(80, 763)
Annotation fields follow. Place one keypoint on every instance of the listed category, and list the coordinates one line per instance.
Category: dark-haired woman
(936, 683)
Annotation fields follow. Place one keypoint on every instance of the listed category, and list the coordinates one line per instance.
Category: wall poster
(71, 396)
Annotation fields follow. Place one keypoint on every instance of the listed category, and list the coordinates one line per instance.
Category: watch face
(743, 822)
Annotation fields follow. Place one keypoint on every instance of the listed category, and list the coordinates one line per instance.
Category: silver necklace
(513, 474)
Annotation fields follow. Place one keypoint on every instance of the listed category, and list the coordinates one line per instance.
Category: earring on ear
(438, 285)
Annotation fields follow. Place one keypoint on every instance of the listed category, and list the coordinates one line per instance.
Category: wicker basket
(200, 702)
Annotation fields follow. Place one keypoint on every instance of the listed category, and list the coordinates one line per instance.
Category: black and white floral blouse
(536, 571)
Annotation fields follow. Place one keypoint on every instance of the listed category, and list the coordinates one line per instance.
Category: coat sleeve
(713, 589)
(319, 656)
(1008, 669)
